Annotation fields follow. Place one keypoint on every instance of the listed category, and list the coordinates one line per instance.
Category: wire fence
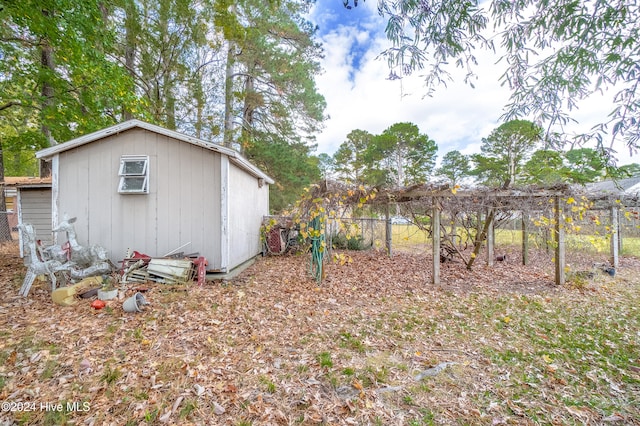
(8, 226)
(591, 235)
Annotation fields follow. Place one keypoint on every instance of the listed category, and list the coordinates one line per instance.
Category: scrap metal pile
(72, 262)
(177, 269)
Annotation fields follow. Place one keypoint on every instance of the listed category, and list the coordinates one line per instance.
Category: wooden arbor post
(615, 235)
(388, 230)
(559, 237)
(525, 238)
(491, 238)
(435, 238)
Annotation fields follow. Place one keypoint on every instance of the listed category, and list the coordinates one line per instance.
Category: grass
(408, 236)
(561, 345)
(324, 359)
(110, 375)
(268, 384)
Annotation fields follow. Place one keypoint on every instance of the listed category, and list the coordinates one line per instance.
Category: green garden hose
(317, 247)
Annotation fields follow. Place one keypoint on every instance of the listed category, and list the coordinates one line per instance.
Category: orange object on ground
(98, 304)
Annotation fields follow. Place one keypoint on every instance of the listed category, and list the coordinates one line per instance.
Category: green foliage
(349, 159)
(268, 384)
(324, 359)
(629, 170)
(585, 165)
(59, 78)
(290, 165)
(161, 62)
(326, 165)
(400, 156)
(505, 152)
(271, 63)
(581, 166)
(341, 241)
(110, 375)
(545, 167)
(454, 167)
(347, 340)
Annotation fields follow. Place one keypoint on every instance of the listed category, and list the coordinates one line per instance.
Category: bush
(341, 242)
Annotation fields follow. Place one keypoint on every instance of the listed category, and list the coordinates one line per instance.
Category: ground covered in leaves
(375, 343)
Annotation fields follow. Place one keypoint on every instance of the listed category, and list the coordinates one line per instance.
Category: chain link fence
(591, 234)
(8, 226)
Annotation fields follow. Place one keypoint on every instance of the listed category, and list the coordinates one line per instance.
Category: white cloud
(456, 117)
(359, 95)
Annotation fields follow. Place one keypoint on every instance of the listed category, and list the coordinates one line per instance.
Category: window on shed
(134, 174)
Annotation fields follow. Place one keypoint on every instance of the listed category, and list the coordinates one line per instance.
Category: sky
(359, 94)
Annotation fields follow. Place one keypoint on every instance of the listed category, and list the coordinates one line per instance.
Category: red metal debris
(201, 263)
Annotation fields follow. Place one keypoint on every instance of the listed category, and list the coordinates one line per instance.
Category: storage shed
(28, 200)
(138, 186)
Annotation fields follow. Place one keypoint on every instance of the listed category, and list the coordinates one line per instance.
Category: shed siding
(35, 208)
(182, 206)
(247, 205)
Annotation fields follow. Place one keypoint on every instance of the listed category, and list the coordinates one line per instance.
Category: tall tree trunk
(46, 62)
(247, 112)
(47, 92)
(130, 24)
(228, 97)
(198, 95)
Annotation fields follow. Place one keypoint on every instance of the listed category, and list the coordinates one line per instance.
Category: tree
(290, 165)
(270, 72)
(58, 78)
(454, 168)
(555, 53)
(629, 170)
(400, 156)
(326, 165)
(270, 95)
(168, 49)
(504, 153)
(349, 159)
(58, 71)
(585, 165)
(545, 167)
(70, 67)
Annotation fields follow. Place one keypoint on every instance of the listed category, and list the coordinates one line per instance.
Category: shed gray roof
(620, 186)
(233, 155)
